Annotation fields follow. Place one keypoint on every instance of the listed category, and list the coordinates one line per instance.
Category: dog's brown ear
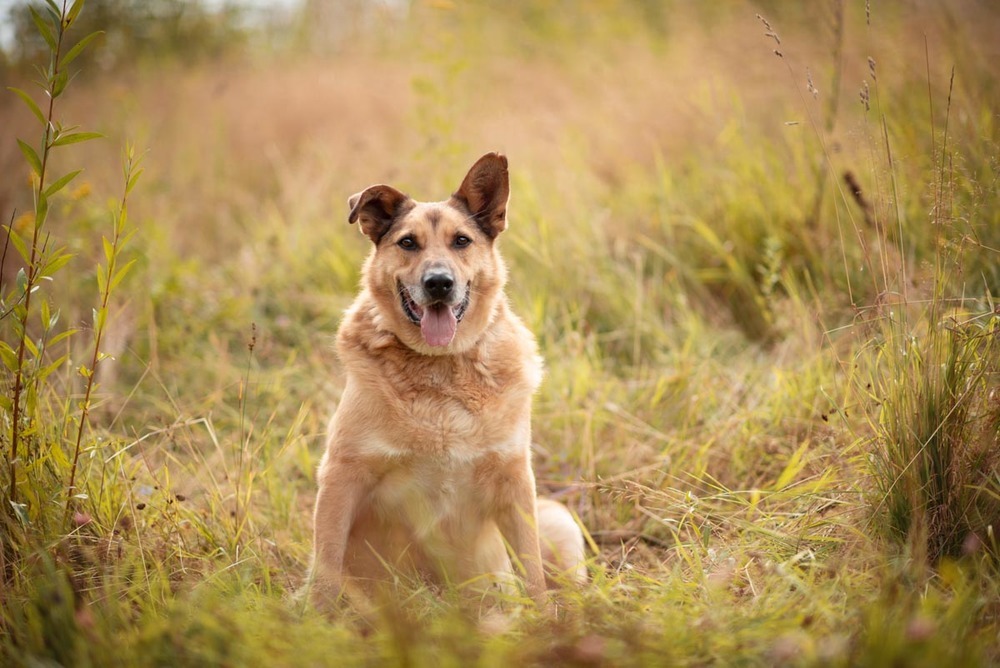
(484, 193)
(375, 208)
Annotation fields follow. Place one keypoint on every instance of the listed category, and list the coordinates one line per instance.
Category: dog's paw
(550, 605)
(323, 595)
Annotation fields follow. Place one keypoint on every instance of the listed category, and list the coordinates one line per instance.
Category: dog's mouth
(438, 321)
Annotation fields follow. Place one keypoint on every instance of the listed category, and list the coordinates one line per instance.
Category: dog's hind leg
(562, 544)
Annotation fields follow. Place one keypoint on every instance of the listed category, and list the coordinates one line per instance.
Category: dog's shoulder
(513, 348)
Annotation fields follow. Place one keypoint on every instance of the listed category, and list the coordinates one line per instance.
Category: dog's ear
(375, 208)
(484, 193)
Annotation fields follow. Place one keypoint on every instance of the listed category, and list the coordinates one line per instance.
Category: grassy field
(759, 244)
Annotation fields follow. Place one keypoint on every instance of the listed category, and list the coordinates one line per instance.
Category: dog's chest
(433, 427)
(433, 449)
(427, 492)
(441, 499)
(453, 413)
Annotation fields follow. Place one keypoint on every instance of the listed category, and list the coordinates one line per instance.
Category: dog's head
(435, 272)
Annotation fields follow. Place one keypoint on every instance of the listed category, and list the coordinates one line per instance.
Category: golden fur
(427, 470)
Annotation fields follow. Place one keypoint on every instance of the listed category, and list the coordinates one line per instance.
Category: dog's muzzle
(435, 305)
(439, 286)
(415, 311)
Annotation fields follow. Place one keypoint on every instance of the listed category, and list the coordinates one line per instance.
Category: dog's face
(435, 273)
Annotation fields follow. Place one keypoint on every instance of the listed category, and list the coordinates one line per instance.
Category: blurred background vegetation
(759, 244)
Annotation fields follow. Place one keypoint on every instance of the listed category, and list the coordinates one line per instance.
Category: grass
(771, 401)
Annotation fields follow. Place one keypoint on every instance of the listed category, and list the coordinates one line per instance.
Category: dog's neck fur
(368, 343)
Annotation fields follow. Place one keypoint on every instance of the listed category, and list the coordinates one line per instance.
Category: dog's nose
(438, 285)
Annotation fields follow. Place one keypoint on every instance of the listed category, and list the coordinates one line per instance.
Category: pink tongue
(438, 325)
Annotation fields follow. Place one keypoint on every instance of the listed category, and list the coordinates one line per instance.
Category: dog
(427, 471)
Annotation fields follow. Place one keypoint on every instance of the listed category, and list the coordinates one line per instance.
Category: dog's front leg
(513, 487)
(342, 486)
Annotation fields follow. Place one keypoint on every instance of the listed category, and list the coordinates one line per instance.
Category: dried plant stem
(244, 436)
(823, 168)
(941, 193)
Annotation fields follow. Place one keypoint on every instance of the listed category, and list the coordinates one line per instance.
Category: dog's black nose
(438, 285)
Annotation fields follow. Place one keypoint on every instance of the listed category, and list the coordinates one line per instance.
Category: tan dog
(427, 471)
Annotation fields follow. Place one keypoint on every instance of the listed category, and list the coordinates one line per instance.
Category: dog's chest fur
(433, 457)
(448, 407)
(439, 429)
(451, 406)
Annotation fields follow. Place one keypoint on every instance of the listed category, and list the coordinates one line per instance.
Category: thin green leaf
(18, 322)
(8, 356)
(74, 11)
(100, 318)
(59, 85)
(21, 512)
(121, 273)
(21, 281)
(61, 183)
(109, 249)
(101, 282)
(79, 47)
(54, 10)
(58, 457)
(62, 335)
(132, 180)
(43, 28)
(31, 347)
(28, 100)
(41, 210)
(55, 264)
(48, 369)
(31, 156)
(22, 248)
(76, 137)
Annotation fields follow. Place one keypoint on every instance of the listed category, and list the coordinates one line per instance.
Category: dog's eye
(407, 243)
(461, 241)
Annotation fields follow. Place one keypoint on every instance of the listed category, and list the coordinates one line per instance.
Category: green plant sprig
(109, 276)
(40, 264)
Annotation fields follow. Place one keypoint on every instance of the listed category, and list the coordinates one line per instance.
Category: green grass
(775, 413)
